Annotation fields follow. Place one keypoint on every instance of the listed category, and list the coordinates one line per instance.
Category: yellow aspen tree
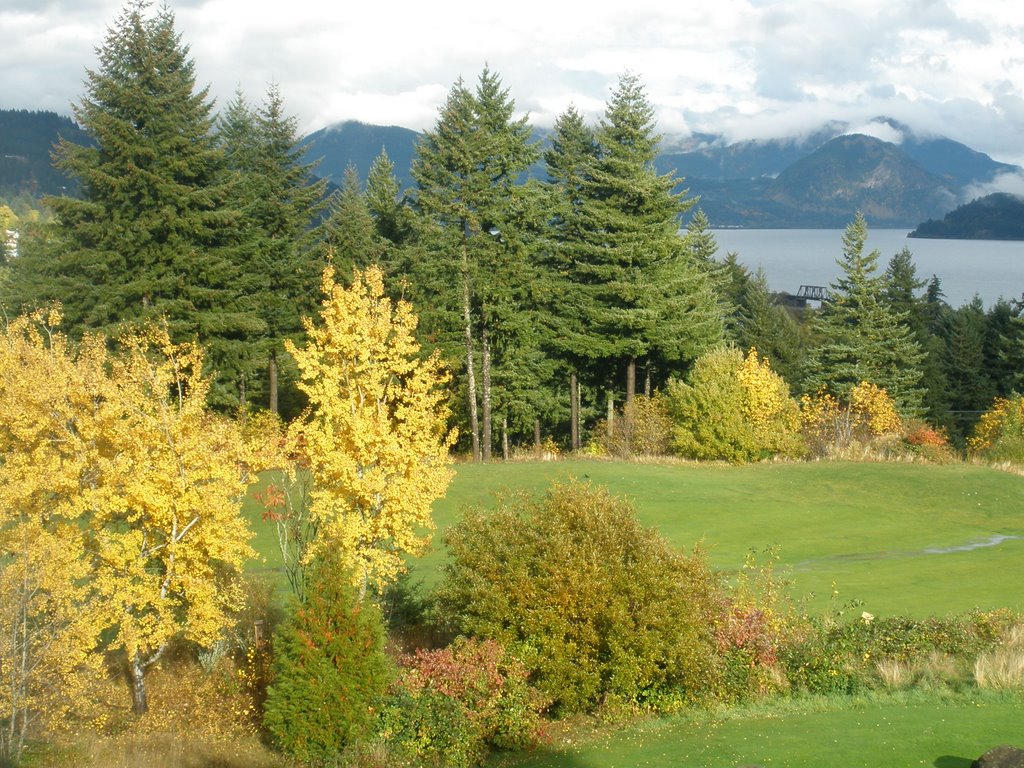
(119, 459)
(772, 413)
(167, 538)
(47, 641)
(374, 436)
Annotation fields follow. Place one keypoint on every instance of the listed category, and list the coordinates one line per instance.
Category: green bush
(734, 408)
(453, 704)
(594, 604)
(329, 668)
(428, 728)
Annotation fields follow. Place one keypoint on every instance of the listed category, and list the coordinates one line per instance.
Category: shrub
(831, 427)
(643, 428)
(595, 605)
(452, 704)
(734, 408)
(927, 442)
(1002, 667)
(756, 623)
(329, 668)
(999, 434)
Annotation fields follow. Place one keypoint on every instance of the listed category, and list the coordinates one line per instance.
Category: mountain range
(821, 180)
(818, 181)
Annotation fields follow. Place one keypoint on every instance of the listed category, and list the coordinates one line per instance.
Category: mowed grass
(897, 732)
(907, 539)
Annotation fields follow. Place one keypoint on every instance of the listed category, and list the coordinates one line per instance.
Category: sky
(739, 68)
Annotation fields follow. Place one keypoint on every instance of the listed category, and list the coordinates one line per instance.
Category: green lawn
(886, 534)
(894, 733)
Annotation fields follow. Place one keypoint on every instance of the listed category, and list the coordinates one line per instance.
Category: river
(992, 269)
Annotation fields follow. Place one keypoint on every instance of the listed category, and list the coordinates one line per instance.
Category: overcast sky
(745, 68)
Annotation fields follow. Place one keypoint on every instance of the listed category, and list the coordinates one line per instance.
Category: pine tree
(970, 388)
(153, 232)
(350, 232)
(860, 337)
(568, 161)
(769, 327)
(330, 668)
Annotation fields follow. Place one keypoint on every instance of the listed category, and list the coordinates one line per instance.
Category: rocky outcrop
(1003, 756)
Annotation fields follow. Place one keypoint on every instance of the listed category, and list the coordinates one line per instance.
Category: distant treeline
(999, 216)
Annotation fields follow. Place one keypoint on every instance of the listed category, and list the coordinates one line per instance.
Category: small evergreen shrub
(329, 668)
(595, 605)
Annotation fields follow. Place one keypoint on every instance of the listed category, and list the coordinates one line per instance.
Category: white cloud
(1003, 182)
(746, 68)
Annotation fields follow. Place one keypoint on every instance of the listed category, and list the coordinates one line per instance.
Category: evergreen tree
(330, 668)
(901, 292)
(568, 161)
(386, 203)
(153, 233)
(969, 385)
(476, 229)
(280, 200)
(350, 232)
(638, 294)
(770, 328)
(1004, 347)
(860, 337)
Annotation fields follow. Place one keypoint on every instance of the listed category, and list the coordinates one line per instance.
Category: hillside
(999, 216)
(26, 141)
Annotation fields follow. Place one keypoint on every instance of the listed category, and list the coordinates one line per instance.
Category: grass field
(894, 732)
(903, 538)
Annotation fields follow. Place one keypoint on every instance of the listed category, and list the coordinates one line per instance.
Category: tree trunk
(630, 380)
(536, 436)
(647, 380)
(137, 671)
(574, 410)
(487, 439)
(504, 438)
(272, 383)
(611, 414)
(467, 321)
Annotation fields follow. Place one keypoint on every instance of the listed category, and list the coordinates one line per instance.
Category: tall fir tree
(860, 336)
(568, 162)
(902, 287)
(970, 388)
(466, 171)
(280, 200)
(152, 236)
(350, 233)
(637, 293)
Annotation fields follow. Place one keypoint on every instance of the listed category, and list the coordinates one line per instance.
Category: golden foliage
(118, 459)
(1003, 420)
(767, 406)
(374, 437)
(830, 426)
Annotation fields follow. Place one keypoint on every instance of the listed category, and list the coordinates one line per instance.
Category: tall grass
(1002, 668)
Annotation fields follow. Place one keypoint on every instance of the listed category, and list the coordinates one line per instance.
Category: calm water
(795, 257)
